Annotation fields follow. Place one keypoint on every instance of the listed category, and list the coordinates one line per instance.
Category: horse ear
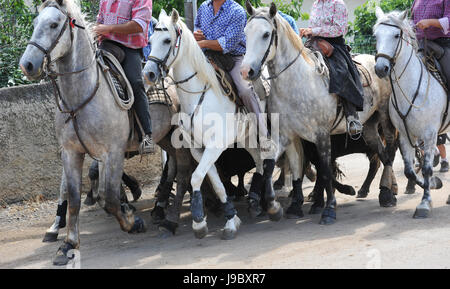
(163, 13)
(60, 2)
(403, 15)
(42, 1)
(379, 12)
(272, 10)
(250, 9)
(175, 15)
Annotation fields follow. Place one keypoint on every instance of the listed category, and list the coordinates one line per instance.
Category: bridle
(53, 75)
(273, 38)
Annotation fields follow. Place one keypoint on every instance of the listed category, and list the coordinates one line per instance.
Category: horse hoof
(157, 214)
(362, 194)
(61, 258)
(328, 217)
(138, 227)
(277, 215)
(387, 198)
(278, 185)
(315, 210)
(294, 212)
(423, 210)
(228, 234)
(50, 237)
(201, 233)
(254, 209)
(89, 201)
(349, 190)
(168, 226)
(410, 191)
(435, 183)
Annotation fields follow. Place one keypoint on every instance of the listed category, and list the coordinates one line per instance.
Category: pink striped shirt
(329, 18)
(123, 11)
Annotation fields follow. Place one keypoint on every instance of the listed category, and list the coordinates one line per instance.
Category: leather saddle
(223, 64)
(431, 56)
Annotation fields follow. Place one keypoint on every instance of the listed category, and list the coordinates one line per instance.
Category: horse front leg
(164, 190)
(73, 166)
(294, 153)
(373, 169)
(255, 193)
(51, 235)
(324, 153)
(113, 170)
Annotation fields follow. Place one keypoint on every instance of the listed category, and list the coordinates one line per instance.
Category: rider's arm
(210, 44)
(339, 24)
(233, 33)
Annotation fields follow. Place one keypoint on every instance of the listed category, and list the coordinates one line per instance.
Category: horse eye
(266, 35)
(167, 41)
(54, 25)
(397, 35)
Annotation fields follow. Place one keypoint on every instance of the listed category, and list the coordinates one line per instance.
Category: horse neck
(77, 87)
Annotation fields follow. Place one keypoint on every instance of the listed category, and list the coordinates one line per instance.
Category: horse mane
(393, 18)
(72, 7)
(193, 53)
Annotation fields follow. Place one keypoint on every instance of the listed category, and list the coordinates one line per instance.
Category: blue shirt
(290, 20)
(147, 49)
(227, 26)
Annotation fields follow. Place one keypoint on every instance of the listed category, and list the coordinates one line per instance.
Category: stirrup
(147, 146)
(358, 131)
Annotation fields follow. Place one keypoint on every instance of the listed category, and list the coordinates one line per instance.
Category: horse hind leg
(297, 166)
(165, 188)
(373, 169)
(51, 235)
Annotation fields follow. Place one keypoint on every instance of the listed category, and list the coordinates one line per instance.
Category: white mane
(194, 54)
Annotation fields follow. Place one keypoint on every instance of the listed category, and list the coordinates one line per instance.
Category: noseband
(392, 59)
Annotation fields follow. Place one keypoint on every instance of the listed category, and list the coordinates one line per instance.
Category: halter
(274, 37)
(53, 75)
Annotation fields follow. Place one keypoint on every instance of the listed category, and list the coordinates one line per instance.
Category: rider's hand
(426, 23)
(101, 29)
(307, 32)
(198, 35)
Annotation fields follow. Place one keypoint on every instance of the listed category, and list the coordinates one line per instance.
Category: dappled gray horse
(418, 106)
(299, 95)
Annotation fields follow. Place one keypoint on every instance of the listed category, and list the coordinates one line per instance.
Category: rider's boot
(354, 126)
(147, 146)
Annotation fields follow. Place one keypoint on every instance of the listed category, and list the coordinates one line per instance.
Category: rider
(329, 21)
(125, 23)
(219, 26)
(431, 18)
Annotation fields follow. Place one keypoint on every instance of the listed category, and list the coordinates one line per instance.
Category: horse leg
(133, 185)
(73, 166)
(324, 153)
(373, 169)
(51, 235)
(93, 178)
(164, 192)
(242, 192)
(113, 170)
(255, 193)
(424, 209)
(296, 163)
(184, 164)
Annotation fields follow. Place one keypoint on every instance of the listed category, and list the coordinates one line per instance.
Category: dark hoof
(138, 227)
(136, 192)
(435, 183)
(228, 234)
(61, 258)
(387, 198)
(168, 226)
(328, 216)
(315, 210)
(362, 194)
(294, 211)
(89, 201)
(201, 233)
(310, 197)
(348, 190)
(157, 214)
(410, 191)
(254, 208)
(50, 237)
(423, 210)
(277, 215)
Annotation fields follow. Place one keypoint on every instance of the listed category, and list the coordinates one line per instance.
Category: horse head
(166, 46)
(389, 31)
(261, 39)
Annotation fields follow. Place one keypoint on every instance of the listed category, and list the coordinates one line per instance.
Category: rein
(53, 75)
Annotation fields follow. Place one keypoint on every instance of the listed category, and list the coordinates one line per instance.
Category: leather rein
(53, 75)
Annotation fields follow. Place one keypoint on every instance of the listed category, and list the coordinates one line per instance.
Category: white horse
(299, 94)
(202, 100)
(418, 106)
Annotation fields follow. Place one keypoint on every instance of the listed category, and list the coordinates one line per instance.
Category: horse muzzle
(382, 67)
(250, 73)
(31, 64)
(152, 73)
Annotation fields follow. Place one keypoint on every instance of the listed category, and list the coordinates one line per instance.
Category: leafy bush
(361, 28)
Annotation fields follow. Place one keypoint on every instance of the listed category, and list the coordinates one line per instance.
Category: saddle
(223, 64)
(431, 56)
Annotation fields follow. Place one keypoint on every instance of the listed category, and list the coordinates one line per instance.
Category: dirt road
(364, 236)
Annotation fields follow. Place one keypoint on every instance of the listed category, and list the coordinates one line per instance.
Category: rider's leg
(132, 65)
